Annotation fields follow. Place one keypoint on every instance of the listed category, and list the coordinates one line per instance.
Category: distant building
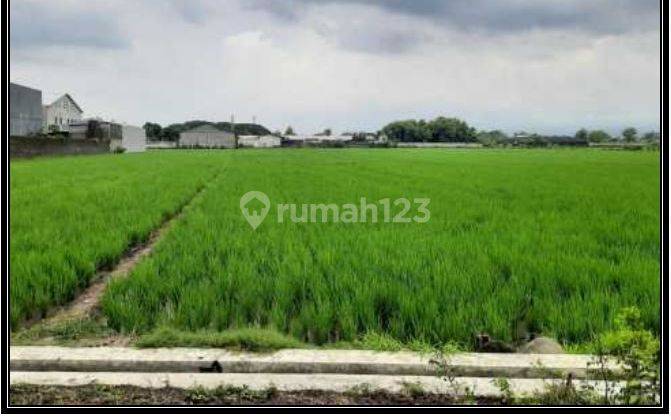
(93, 128)
(58, 115)
(207, 135)
(260, 141)
(25, 110)
(320, 139)
(133, 139)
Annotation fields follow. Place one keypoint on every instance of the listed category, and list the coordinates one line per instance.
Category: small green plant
(442, 363)
(413, 389)
(637, 351)
(506, 391)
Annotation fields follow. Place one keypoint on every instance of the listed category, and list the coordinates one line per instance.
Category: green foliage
(441, 129)
(638, 352)
(249, 339)
(629, 134)
(70, 216)
(577, 230)
(491, 138)
(651, 136)
(170, 134)
(289, 131)
(598, 136)
(152, 130)
(582, 134)
(64, 333)
(229, 394)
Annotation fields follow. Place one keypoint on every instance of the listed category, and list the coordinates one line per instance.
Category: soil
(99, 395)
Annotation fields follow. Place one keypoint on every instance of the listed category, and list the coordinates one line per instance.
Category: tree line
(628, 135)
(441, 129)
(171, 132)
(454, 130)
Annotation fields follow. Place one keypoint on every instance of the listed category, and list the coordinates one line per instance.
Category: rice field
(70, 216)
(551, 241)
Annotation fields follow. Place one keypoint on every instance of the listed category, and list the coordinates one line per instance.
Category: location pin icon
(254, 217)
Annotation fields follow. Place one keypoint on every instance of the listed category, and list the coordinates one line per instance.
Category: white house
(268, 140)
(58, 115)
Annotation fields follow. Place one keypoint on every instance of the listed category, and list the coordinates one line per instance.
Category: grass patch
(556, 241)
(70, 216)
(248, 339)
(69, 332)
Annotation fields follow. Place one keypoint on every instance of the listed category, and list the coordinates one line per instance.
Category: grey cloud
(492, 16)
(192, 11)
(45, 24)
(389, 41)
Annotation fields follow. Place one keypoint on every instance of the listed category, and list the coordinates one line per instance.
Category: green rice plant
(70, 216)
(553, 241)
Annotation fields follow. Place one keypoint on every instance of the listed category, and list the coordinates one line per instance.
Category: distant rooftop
(204, 128)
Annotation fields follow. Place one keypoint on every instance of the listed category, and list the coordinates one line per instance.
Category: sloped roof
(71, 100)
(204, 128)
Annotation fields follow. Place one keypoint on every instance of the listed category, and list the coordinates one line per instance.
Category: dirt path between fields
(87, 303)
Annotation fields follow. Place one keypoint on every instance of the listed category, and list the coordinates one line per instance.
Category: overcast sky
(549, 66)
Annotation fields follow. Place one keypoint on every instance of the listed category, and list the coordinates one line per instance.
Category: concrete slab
(481, 387)
(298, 361)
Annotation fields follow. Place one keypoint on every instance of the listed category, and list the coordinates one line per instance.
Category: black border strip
(664, 307)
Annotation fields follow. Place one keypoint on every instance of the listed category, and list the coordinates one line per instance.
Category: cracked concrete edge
(480, 387)
(299, 361)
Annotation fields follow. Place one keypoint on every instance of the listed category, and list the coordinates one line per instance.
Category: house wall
(133, 138)
(213, 139)
(60, 113)
(25, 110)
(260, 141)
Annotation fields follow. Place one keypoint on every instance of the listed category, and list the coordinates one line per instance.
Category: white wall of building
(260, 141)
(133, 139)
(60, 114)
(207, 136)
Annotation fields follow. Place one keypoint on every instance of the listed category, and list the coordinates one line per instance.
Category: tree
(451, 130)
(289, 131)
(152, 130)
(582, 134)
(491, 138)
(598, 136)
(629, 134)
(651, 137)
(170, 134)
(440, 129)
(407, 131)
